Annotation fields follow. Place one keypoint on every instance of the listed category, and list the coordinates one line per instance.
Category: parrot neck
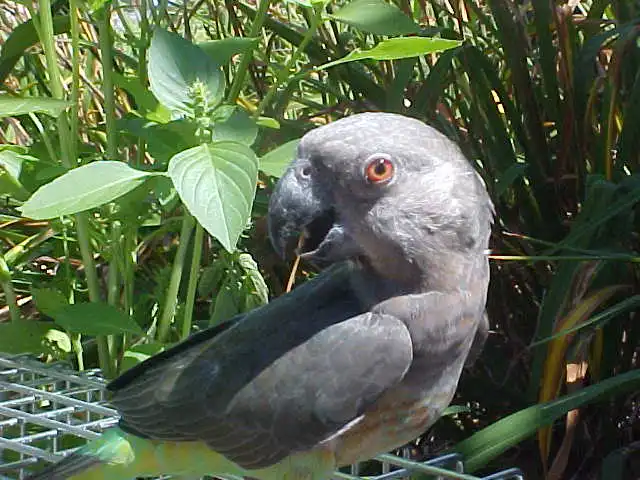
(445, 272)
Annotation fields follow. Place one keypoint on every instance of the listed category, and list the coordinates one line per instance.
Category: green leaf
(377, 17)
(11, 167)
(175, 66)
(95, 318)
(23, 336)
(138, 354)
(217, 183)
(83, 188)
(211, 278)
(23, 37)
(58, 340)
(164, 140)
(222, 51)
(397, 48)
(49, 300)
(257, 286)
(277, 160)
(488, 443)
(145, 101)
(238, 126)
(13, 106)
(227, 303)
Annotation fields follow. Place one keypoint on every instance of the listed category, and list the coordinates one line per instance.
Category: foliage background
(543, 96)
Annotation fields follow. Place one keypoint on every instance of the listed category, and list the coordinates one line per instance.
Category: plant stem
(47, 39)
(104, 40)
(75, 83)
(55, 78)
(113, 283)
(76, 342)
(315, 21)
(93, 286)
(9, 292)
(193, 282)
(238, 80)
(171, 300)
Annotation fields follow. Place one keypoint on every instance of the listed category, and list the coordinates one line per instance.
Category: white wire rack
(47, 411)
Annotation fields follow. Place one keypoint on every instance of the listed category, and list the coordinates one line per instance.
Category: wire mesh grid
(47, 411)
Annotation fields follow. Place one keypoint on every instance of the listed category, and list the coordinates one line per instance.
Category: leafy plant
(134, 139)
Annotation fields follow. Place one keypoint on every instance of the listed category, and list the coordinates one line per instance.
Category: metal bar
(67, 404)
(45, 422)
(59, 398)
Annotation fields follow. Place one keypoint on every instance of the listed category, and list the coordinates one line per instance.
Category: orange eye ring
(379, 169)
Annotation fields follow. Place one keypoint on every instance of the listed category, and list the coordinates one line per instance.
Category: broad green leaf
(488, 443)
(176, 66)
(83, 188)
(95, 318)
(138, 354)
(377, 17)
(277, 160)
(222, 51)
(13, 106)
(49, 300)
(217, 183)
(23, 336)
(396, 48)
(237, 127)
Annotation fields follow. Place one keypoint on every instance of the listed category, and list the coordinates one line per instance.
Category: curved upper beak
(294, 204)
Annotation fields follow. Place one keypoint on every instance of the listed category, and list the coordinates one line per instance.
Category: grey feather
(389, 326)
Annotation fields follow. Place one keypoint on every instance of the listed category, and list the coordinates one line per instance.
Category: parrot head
(378, 187)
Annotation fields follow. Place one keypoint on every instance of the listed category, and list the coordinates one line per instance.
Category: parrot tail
(115, 448)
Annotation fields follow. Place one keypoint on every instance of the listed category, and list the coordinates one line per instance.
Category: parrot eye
(379, 169)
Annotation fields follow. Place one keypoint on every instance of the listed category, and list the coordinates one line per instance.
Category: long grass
(543, 96)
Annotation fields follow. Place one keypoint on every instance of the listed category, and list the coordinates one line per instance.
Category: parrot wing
(279, 380)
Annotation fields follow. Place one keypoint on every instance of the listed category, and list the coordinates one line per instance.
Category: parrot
(358, 360)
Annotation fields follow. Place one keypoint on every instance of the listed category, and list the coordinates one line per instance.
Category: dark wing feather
(280, 380)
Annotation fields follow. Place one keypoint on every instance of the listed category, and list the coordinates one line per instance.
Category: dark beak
(294, 206)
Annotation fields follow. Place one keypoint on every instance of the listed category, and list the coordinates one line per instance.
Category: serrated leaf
(95, 318)
(277, 160)
(217, 183)
(397, 48)
(83, 188)
(175, 65)
(377, 17)
(13, 106)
